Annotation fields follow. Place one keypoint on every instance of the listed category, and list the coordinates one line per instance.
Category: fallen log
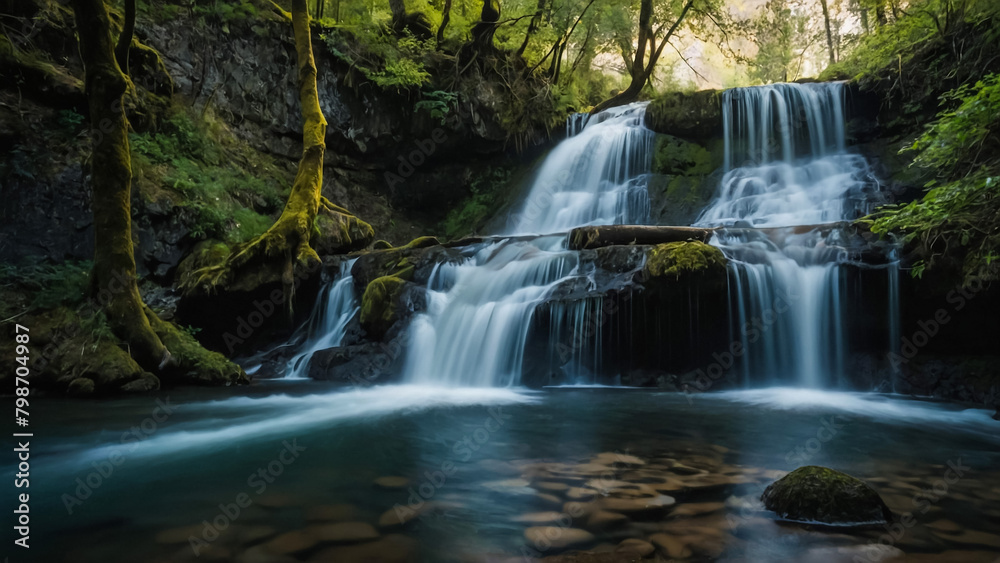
(582, 238)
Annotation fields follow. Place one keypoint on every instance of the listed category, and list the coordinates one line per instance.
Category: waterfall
(787, 166)
(479, 311)
(336, 306)
(596, 177)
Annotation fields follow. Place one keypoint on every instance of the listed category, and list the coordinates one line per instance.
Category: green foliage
(777, 31)
(487, 195)
(959, 216)
(392, 63)
(69, 121)
(51, 285)
(218, 197)
(439, 104)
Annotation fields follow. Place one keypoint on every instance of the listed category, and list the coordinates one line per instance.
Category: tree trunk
(286, 245)
(125, 39)
(114, 274)
(445, 18)
(641, 71)
(398, 9)
(533, 26)
(482, 32)
(829, 31)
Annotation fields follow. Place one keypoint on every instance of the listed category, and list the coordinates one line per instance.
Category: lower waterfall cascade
(476, 326)
(336, 307)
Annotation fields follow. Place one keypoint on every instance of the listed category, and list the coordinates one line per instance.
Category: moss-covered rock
(191, 362)
(814, 494)
(689, 115)
(676, 259)
(77, 355)
(677, 157)
(380, 305)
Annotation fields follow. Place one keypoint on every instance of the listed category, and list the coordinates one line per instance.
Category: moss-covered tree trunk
(114, 275)
(286, 245)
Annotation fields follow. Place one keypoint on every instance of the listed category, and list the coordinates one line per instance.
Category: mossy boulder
(381, 305)
(79, 355)
(191, 362)
(688, 115)
(676, 157)
(676, 259)
(814, 494)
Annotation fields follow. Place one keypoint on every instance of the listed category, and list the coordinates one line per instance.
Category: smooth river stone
(869, 553)
(603, 519)
(615, 459)
(692, 509)
(636, 505)
(343, 532)
(259, 554)
(541, 537)
(275, 500)
(291, 542)
(179, 535)
(392, 482)
(973, 537)
(393, 548)
(549, 517)
(552, 486)
(248, 535)
(581, 493)
(330, 512)
(549, 499)
(670, 546)
(641, 548)
(946, 526)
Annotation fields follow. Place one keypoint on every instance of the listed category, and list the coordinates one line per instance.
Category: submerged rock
(816, 494)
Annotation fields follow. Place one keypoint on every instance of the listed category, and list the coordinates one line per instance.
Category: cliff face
(396, 166)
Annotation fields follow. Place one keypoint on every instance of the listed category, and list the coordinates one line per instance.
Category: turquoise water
(479, 462)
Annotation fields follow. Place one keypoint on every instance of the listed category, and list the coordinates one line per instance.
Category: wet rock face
(693, 116)
(814, 494)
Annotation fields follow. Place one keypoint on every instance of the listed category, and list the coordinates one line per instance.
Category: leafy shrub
(959, 215)
(52, 285)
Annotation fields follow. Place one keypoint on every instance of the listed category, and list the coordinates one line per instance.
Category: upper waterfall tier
(782, 121)
(595, 177)
(786, 159)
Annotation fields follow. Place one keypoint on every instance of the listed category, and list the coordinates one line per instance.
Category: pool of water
(306, 472)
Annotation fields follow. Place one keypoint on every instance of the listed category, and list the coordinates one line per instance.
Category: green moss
(221, 187)
(379, 305)
(679, 258)
(50, 285)
(820, 494)
(382, 245)
(689, 115)
(423, 242)
(191, 362)
(673, 156)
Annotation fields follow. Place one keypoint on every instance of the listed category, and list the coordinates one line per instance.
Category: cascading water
(787, 166)
(479, 311)
(336, 307)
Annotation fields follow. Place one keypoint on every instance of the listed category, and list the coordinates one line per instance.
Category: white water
(476, 326)
(336, 307)
(596, 177)
(786, 166)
